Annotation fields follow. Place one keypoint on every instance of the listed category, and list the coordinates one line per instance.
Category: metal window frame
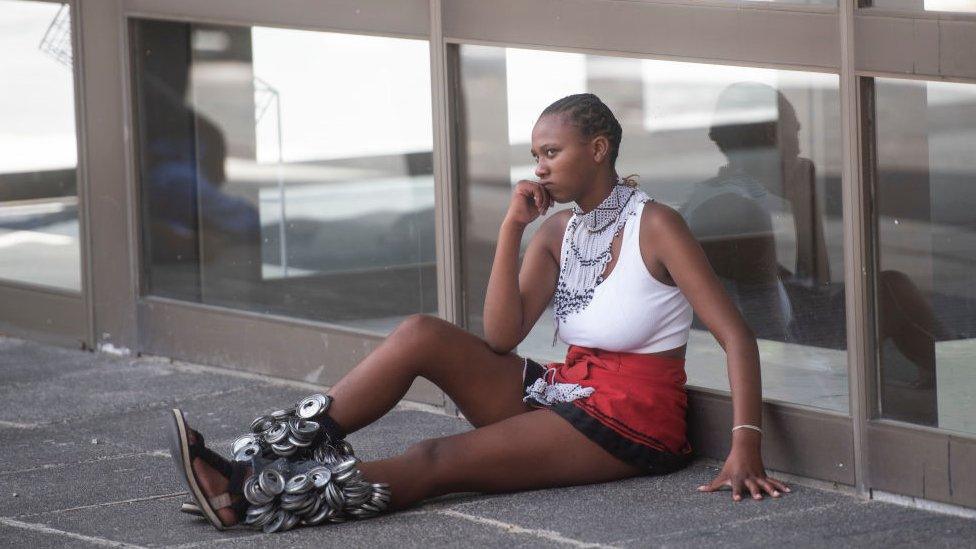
(792, 426)
(319, 352)
(862, 43)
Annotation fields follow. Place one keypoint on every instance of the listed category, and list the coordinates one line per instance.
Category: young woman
(622, 273)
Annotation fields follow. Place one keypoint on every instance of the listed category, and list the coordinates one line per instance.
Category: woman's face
(565, 163)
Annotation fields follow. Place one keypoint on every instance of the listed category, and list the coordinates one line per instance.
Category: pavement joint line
(105, 504)
(760, 518)
(81, 537)
(47, 466)
(408, 405)
(20, 425)
(548, 535)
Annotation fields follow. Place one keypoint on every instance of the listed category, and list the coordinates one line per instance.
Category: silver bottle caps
(254, 494)
(313, 405)
(271, 482)
(262, 424)
(331, 490)
(320, 476)
(312, 498)
(299, 484)
(245, 453)
(242, 442)
(290, 432)
(276, 434)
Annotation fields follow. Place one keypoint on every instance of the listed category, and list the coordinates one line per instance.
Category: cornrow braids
(592, 117)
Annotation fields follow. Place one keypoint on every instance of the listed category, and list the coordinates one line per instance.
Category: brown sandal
(184, 452)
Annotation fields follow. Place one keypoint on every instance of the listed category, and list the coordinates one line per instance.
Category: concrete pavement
(84, 464)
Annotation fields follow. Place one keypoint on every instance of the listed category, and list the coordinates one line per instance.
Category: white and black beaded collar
(586, 248)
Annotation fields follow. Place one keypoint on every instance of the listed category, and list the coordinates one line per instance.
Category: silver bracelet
(747, 426)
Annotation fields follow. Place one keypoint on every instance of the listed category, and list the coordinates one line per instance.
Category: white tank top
(631, 311)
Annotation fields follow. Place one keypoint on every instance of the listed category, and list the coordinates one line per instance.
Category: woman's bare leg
(487, 387)
(534, 450)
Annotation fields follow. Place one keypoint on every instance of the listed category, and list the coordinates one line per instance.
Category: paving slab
(119, 387)
(641, 508)
(25, 362)
(161, 526)
(123, 490)
(24, 536)
(87, 483)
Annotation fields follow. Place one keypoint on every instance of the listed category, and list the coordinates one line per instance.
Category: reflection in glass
(925, 142)
(38, 149)
(287, 172)
(926, 5)
(751, 157)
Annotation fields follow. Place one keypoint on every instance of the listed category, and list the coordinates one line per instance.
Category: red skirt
(636, 411)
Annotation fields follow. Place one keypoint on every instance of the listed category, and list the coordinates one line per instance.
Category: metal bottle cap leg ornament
(318, 480)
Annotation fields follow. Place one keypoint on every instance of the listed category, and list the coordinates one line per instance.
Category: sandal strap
(220, 501)
(211, 458)
(240, 507)
(196, 435)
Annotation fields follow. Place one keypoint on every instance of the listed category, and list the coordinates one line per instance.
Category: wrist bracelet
(747, 426)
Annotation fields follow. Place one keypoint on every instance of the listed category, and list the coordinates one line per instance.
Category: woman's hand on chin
(744, 473)
(529, 201)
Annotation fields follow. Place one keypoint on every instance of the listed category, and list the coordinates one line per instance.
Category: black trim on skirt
(651, 460)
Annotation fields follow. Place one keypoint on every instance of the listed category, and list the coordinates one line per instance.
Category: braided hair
(591, 117)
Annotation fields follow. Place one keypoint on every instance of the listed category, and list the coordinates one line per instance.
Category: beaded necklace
(587, 244)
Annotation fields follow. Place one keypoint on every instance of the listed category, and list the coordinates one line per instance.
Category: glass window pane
(926, 230)
(750, 156)
(38, 176)
(287, 172)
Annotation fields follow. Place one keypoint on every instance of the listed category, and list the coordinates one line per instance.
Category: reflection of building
(190, 227)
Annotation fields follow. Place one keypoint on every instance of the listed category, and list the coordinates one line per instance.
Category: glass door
(922, 165)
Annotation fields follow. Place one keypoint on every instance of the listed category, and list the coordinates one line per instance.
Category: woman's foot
(213, 483)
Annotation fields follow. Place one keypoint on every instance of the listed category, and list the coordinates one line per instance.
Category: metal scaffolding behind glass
(287, 172)
(750, 157)
(38, 147)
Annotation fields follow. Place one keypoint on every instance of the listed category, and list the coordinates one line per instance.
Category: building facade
(274, 188)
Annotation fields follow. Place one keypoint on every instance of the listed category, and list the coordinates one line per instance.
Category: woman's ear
(601, 148)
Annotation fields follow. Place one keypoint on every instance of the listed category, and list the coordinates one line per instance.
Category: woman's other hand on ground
(529, 201)
(743, 472)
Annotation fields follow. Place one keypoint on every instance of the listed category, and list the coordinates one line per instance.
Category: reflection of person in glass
(765, 188)
(761, 209)
(183, 173)
(622, 272)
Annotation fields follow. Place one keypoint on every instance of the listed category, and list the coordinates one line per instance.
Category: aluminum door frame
(908, 45)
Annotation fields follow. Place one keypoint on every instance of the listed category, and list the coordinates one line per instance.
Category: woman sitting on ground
(622, 273)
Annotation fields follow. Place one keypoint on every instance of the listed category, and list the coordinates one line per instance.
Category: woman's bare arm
(672, 242)
(515, 299)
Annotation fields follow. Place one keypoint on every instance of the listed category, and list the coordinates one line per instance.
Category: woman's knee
(426, 335)
(420, 328)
